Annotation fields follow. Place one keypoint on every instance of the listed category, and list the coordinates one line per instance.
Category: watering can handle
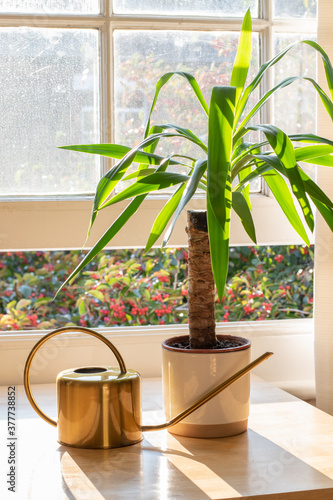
(42, 341)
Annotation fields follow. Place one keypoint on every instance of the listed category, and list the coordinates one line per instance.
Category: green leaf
(192, 185)
(283, 196)
(11, 305)
(283, 147)
(164, 216)
(113, 229)
(240, 158)
(109, 181)
(164, 79)
(42, 302)
(326, 62)
(243, 147)
(267, 164)
(328, 105)
(314, 190)
(301, 154)
(317, 155)
(243, 56)
(242, 174)
(325, 161)
(154, 129)
(220, 126)
(240, 130)
(310, 138)
(256, 81)
(324, 98)
(23, 303)
(239, 204)
(186, 133)
(243, 168)
(82, 308)
(139, 173)
(97, 294)
(219, 248)
(148, 184)
(312, 152)
(106, 238)
(325, 211)
(259, 76)
(270, 161)
(117, 151)
(111, 178)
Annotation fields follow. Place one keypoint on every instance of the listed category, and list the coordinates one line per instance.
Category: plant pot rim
(165, 345)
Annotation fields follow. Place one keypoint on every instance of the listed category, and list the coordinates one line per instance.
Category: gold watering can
(100, 407)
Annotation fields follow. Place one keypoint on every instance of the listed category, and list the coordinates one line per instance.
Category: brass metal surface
(100, 409)
(100, 406)
(42, 341)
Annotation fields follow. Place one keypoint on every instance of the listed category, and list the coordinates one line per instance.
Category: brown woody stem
(201, 286)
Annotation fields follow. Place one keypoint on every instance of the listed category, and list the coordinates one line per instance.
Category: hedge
(129, 287)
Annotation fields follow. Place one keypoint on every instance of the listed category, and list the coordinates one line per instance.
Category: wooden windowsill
(287, 453)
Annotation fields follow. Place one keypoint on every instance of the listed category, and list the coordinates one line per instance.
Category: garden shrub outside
(130, 288)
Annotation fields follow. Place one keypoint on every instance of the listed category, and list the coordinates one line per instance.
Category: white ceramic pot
(189, 373)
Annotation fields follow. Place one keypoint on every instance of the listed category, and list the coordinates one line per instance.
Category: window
(49, 96)
(130, 287)
(80, 72)
(94, 49)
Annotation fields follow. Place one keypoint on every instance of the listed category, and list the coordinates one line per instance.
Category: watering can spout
(100, 406)
(209, 395)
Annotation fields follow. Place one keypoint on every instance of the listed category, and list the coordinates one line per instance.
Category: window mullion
(51, 21)
(106, 89)
(266, 52)
(183, 23)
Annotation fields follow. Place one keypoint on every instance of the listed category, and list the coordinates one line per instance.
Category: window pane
(50, 6)
(233, 8)
(49, 98)
(295, 8)
(295, 105)
(142, 57)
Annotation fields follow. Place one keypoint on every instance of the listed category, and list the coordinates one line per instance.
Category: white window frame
(60, 223)
(57, 222)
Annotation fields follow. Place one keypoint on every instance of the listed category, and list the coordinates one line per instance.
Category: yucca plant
(228, 164)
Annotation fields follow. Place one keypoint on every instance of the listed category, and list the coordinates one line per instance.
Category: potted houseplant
(228, 163)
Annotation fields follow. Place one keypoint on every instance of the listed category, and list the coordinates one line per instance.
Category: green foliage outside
(226, 162)
(130, 287)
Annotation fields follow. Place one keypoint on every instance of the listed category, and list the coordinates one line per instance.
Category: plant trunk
(201, 286)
